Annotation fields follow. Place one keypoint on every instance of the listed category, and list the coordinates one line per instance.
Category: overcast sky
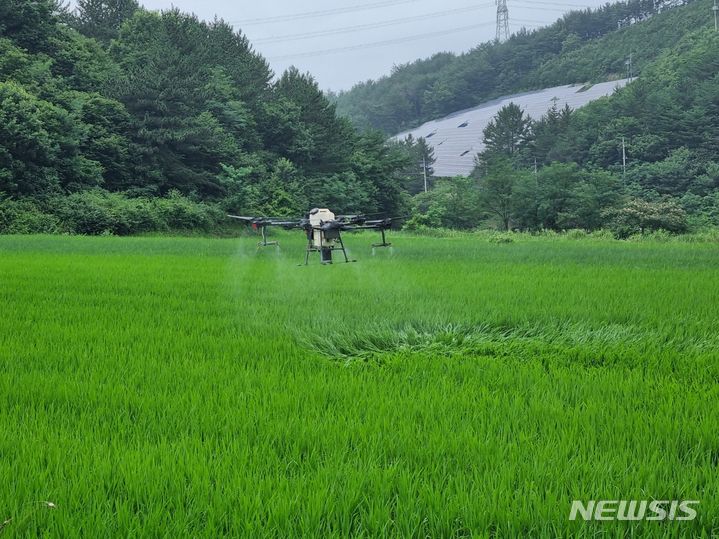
(437, 25)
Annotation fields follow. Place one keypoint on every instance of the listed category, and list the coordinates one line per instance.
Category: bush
(641, 216)
(100, 212)
(177, 212)
(95, 212)
(451, 204)
(24, 217)
(501, 238)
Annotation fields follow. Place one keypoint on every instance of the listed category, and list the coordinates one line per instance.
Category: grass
(456, 387)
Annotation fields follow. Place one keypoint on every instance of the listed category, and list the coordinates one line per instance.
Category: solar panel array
(457, 138)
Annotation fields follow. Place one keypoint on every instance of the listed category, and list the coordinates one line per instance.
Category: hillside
(644, 158)
(669, 119)
(457, 139)
(116, 99)
(581, 47)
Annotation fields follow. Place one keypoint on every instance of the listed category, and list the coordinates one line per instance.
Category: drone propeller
(382, 225)
(379, 224)
(269, 221)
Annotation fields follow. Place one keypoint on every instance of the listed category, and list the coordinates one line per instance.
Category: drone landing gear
(264, 242)
(326, 252)
(384, 242)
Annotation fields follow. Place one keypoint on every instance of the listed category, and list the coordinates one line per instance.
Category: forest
(119, 120)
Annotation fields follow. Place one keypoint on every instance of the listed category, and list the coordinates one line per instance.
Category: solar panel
(458, 147)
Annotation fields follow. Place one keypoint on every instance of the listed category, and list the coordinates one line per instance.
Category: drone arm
(242, 218)
(269, 221)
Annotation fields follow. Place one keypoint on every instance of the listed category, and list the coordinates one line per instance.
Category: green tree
(320, 129)
(452, 203)
(101, 19)
(420, 158)
(497, 192)
(592, 195)
(178, 71)
(508, 134)
(640, 216)
(108, 140)
(379, 165)
(40, 146)
(550, 140)
(675, 175)
(31, 25)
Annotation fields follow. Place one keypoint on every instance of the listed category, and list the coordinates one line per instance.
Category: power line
(322, 13)
(546, 8)
(357, 28)
(526, 21)
(380, 43)
(559, 4)
(526, 26)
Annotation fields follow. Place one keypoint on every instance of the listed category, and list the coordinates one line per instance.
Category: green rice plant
(449, 387)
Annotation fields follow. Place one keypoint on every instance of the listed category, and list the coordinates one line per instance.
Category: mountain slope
(580, 47)
(457, 139)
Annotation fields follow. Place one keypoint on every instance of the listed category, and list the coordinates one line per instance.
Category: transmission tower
(502, 21)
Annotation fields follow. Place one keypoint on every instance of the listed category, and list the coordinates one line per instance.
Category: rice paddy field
(449, 387)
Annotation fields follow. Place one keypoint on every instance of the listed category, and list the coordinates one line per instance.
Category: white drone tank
(316, 219)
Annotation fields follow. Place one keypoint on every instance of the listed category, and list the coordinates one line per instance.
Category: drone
(323, 229)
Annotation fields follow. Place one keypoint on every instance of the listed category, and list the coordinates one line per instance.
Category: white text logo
(633, 510)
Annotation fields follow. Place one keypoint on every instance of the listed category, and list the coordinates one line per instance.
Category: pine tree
(101, 19)
(508, 133)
